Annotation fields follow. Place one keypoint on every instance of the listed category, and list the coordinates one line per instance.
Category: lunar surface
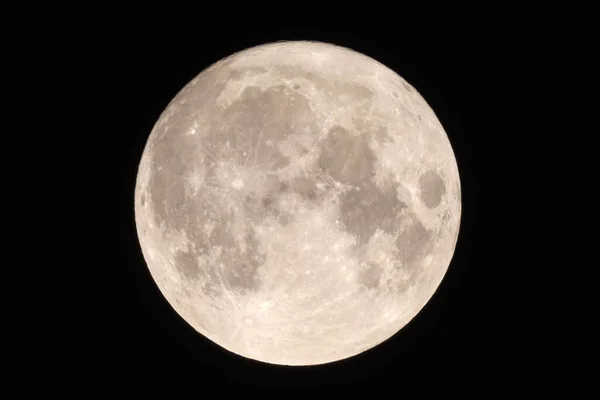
(298, 203)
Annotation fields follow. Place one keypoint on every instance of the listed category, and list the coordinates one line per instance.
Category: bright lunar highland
(298, 203)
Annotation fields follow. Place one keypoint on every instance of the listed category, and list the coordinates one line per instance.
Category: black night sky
(490, 328)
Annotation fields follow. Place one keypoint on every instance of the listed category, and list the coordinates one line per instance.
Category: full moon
(298, 203)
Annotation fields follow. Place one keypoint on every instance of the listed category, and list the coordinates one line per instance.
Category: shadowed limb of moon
(298, 203)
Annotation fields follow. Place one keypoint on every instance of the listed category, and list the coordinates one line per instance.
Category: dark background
(496, 322)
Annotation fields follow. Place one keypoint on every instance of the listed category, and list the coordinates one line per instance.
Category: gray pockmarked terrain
(298, 203)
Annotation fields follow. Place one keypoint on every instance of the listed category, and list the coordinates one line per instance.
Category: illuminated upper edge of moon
(264, 322)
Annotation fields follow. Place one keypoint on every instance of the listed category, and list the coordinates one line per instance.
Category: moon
(298, 203)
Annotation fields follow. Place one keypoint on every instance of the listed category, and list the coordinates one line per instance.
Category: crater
(267, 202)
(241, 73)
(356, 92)
(353, 91)
(270, 206)
(431, 189)
(382, 134)
(346, 158)
(366, 208)
(407, 86)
